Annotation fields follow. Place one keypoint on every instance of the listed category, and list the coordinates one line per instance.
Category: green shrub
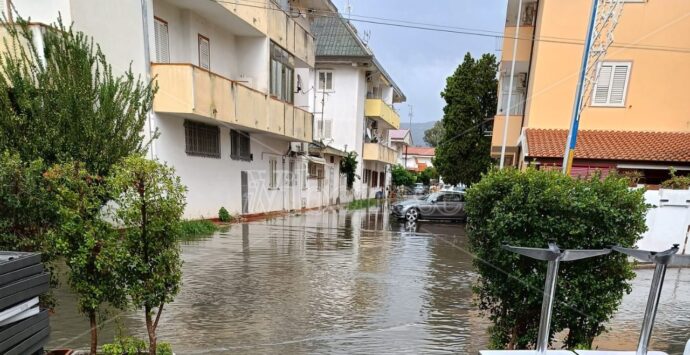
(364, 203)
(530, 208)
(192, 229)
(676, 182)
(402, 177)
(224, 215)
(133, 346)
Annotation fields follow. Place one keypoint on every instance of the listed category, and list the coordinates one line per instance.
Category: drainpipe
(147, 59)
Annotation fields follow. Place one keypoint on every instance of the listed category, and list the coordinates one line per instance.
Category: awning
(315, 160)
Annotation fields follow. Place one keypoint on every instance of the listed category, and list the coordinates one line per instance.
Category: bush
(193, 229)
(132, 346)
(364, 203)
(676, 182)
(402, 177)
(530, 208)
(224, 215)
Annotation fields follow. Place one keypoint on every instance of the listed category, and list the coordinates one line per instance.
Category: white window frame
(201, 40)
(272, 173)
(325, 87)
(608, 102)
(157, 24)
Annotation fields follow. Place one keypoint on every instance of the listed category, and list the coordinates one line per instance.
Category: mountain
(418, 129)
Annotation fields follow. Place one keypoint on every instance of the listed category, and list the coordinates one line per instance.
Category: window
(292, 177)
(325, 81)
(451, 198)
(204, 52)
(239, 145)
(160, 29)
(612, 84)
(201, 139)
(272, 173)
(319, 178)
(282, 72)
(374, 179)
(323, 128)
(366, 176)
(382, 179)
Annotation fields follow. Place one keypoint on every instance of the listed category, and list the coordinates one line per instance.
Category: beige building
(638, 100)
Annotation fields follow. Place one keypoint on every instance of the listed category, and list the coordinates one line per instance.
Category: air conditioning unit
(521, 80)
(298, 147)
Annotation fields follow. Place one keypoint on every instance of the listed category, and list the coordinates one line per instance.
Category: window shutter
(162, 41)
(327, 128)
(619, 83)
(204, 53)
(601, 88)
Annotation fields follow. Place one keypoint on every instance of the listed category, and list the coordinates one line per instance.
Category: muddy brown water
(344, 282)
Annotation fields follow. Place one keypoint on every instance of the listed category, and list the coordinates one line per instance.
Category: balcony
(524, 46)
(379, 110)
(189, 91)
(380, 153)
(514, 131)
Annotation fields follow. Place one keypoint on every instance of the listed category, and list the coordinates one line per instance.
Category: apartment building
(353, 104)
(233, 109)
(636, 117)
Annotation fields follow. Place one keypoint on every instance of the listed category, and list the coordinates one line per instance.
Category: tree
(348, 166)
(427, 175)
(401, 176)
(529, 209)
(150, 200)
(91, 246)
(434, 135)
(62, 102)
(470, 94)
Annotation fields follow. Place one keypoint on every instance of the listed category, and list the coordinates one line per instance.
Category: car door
(438, 206)
(453, 206)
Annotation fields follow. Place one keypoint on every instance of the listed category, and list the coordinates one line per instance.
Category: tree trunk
(151, 328)
(94, 332)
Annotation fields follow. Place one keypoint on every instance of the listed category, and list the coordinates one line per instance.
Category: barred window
(201, 139)
(239, 145)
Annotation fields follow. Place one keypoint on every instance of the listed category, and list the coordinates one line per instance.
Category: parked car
(438, 205)
(419, 189)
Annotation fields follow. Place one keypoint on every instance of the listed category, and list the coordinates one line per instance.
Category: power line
(461, 30)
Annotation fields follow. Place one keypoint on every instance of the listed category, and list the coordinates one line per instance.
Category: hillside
(418, 129)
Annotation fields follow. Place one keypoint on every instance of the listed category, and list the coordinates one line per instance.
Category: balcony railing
(378, 109)
(380, 153)
(185, 89)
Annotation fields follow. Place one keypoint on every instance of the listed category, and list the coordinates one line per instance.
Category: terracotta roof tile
(611, 145)
(426, 151)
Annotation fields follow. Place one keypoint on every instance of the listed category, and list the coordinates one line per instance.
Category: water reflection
(344, 282)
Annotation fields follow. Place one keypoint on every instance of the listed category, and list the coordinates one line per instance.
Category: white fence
(668, 222)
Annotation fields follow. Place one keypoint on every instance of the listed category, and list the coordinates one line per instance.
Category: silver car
(438, 205)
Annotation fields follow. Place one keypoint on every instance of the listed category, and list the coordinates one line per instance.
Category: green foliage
(150, 200)
(363, 203)
(676, 182)
(28, 212)
(224, 215)
(193, 229)
(435, 134)
(133, 346)
(402, 177)
(427, 175)
(62, 102)
(529, 209)
(470, 95)
(348, 166)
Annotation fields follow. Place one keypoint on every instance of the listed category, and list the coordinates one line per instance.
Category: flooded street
(344, 282)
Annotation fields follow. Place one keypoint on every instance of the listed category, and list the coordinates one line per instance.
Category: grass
(364, 203)
(193, 229)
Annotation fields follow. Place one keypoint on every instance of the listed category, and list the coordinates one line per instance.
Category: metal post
(650, 311)
(510, 89)
(547, 306)
(575, 118)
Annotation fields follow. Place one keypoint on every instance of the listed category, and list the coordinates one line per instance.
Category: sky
(420, 61)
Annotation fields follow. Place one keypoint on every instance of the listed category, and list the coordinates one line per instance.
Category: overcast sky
(420, 61)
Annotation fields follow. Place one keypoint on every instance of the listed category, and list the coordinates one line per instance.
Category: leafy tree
(89, 244)
(470, 94)
(348, 166)
(150, 200)
(401, 176)
(530, 208)
(427, 175)
(434, 135)
(63, 103)
(28, 212)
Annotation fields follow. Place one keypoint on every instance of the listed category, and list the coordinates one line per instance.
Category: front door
(245, 192)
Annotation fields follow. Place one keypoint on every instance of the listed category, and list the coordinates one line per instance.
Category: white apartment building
(234, 105)
(353, 104)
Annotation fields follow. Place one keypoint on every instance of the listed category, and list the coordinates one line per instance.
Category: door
(245, 192)
(331, 184)
(453, 206)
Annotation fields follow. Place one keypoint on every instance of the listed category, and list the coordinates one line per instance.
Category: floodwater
(343, 282)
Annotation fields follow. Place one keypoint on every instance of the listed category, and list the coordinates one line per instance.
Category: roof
(398, 133)
(611, 145)
(425, 151)
(335, 38)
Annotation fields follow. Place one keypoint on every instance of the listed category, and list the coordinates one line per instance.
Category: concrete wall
(668, 221)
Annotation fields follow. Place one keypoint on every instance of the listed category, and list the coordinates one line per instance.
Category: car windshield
(431, 197)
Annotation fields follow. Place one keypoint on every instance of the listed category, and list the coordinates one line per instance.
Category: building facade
(637, 97)
(417, 159)
(353, 104)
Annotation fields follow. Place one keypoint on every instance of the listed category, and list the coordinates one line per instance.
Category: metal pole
(547, 307)
(650, 311)
(575, 118)
(510, 89)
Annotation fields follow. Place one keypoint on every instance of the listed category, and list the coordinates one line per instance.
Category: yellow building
(637, 101)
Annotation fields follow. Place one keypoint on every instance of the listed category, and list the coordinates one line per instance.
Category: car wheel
(412, 214)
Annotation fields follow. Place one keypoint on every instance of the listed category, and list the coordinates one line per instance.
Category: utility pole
(410, 113)
(575, 118)
(510, 88)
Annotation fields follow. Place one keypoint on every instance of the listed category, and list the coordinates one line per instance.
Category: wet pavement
(344, 282)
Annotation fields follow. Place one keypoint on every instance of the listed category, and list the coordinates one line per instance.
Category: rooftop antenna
(348, 8)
